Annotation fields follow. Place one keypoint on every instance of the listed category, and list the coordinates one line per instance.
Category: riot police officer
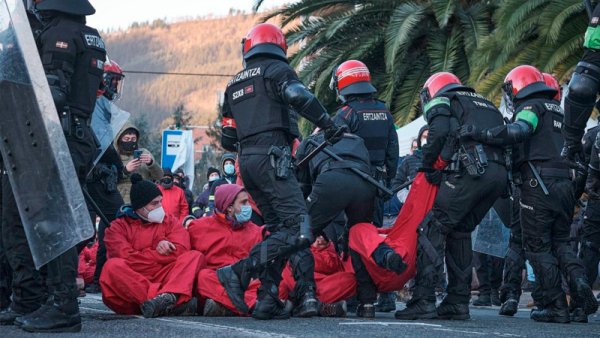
(514, 261)
(256, 116)
(102, 182)
(547, 200)
(73, 57)
(583, 89)
(368, 118)
(463, 199)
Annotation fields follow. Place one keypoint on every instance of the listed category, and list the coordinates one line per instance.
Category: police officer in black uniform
(256, 115)
(547, 200)
(463, 199)
(589, 251)
(73, 56)
(583, 90)
(322, 180)
(509, 211)
(368, 118)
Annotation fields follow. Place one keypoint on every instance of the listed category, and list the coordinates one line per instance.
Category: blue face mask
(245, 214)
(229, 169)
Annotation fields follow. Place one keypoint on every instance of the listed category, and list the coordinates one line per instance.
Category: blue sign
(171, 142)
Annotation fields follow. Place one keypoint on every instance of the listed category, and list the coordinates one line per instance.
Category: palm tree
(545, 33)
(402, 42)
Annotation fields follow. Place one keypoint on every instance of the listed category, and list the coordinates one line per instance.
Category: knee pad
(583, 88)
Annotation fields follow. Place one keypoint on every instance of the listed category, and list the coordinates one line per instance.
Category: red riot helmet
(523, 81)
(552, 82)
(264, 38)
(112, 82)
(439, 83)
(352, 77)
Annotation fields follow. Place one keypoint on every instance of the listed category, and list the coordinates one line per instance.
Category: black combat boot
(365, 310)
(159, 305)
(94, 287)
(453, 311)
(510, 307)
(307, 306)
(577, 315)
(268, 306)
(55, 318)
(585, 296)
(234, 287)
(484, 299)
(418, 309)
(8, 316)
(556, 312)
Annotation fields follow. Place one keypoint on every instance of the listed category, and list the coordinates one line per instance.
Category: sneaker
(337, 309)
(159, 305)
(215, 309)
(308, 306)
(366, 310)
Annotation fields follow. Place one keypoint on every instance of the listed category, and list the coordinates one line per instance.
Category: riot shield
(107, 120)
(491, 236)
(33, 146)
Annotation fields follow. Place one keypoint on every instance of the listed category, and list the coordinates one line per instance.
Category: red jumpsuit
(402, 236)
(174, 202)
(334, 282)
(221, 245)
(87, 263)
(136, 272)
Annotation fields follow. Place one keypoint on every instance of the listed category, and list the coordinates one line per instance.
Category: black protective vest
(351, 148)
(475, 110)
(374, 120)
(86, 65)
(546, 142)
(254, 110)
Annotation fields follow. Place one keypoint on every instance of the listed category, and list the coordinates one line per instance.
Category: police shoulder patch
(93, 41)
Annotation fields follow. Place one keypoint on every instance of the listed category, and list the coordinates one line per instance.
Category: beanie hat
(212, 170)
(142, 191)
(225, 195)
(167, 172)
(421, 131)
(225, 157)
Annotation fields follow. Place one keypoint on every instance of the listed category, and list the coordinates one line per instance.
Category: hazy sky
(122, 13)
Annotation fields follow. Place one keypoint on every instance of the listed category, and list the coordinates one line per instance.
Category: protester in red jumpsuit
(150, 267)
(87, 263)
(224, 238)
(174, 201)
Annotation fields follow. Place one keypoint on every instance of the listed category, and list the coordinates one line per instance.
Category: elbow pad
(515, 132)
(307, 105)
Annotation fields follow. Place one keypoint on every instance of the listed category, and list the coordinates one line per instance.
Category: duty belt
(494, 156)
(254, 150)
(347, 164)
(549, 171)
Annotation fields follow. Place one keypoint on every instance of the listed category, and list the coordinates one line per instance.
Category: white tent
(407, 133)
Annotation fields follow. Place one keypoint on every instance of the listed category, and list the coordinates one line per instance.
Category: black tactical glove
(592, 185)
(572, 153)
(335, 133)
(471, 131)
(433, 176)
(579, 182)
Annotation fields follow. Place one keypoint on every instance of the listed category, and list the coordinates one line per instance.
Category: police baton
(403, 185)
(538, 178)
(318, 149)
(588, 8)
(95, 206)
(363, 175)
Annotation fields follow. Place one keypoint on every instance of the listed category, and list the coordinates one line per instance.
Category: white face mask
(423, 141)
(156, 216)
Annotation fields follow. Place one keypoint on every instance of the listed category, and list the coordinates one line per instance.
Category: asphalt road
(485, 322)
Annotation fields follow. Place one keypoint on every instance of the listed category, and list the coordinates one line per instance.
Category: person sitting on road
(151, 269)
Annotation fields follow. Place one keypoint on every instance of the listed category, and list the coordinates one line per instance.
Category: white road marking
(390, 323)
(206, 326)
(479, 333)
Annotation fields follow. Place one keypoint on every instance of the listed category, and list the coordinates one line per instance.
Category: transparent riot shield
(491, 236)
(33, 147)
(107, 120)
